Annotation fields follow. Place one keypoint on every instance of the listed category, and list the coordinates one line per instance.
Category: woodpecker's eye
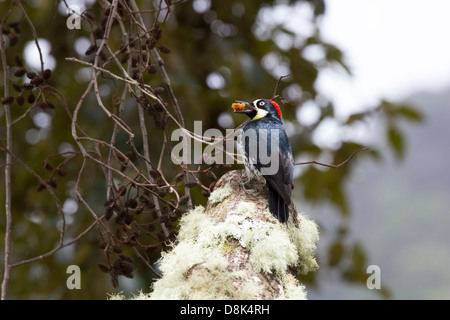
(260, 103)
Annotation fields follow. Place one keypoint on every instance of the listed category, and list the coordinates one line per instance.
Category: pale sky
(394, 48)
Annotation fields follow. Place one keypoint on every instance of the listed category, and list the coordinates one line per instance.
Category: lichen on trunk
(233, 248)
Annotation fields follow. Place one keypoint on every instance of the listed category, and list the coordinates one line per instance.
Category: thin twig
(278, 83)
(146, 262)
(26, 112)
(166, 81)
(147, 155)
(57, 248)
(333, 165)
(59, 207)
(33, 30)
(119, 111)
(8, 160)
(160, 8)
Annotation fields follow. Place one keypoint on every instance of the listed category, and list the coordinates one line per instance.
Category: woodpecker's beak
(250, 107)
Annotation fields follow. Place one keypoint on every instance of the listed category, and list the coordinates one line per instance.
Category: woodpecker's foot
(242, 184)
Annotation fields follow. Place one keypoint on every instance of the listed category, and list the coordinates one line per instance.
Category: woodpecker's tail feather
(277, 206)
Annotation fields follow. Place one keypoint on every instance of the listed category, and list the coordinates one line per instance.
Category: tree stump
(233, 248)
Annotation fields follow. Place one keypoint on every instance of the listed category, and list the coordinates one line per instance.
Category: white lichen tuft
(245, 209)
(116, 296)
(293, 290)
(305, 239)
(184, 267)
(220, 194)
(274, 253)
(193, 223)
(120, 296)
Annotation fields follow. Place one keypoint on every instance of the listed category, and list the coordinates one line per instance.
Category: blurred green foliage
(220, 51)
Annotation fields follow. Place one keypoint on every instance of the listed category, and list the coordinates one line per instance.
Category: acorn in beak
(239, 107)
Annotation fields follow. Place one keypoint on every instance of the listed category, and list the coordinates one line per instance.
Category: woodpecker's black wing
(279, 183)
(282, 180)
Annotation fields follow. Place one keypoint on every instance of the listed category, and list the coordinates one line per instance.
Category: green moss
(230, 245)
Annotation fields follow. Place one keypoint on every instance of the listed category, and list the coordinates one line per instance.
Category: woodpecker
(267, 153)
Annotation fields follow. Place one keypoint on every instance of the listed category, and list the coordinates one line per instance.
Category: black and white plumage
(264, 135)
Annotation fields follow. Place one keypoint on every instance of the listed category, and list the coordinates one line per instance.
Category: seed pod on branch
(17, 87)
(37, 81)
(152, 68)
(121, 191)
(52, 183)
(179, 177)
(91, 50)
(18, 60)
(50, 104)
(8, 100)
(20, 100)
(179, 211)
(158, 90)
(160, 122)
(129, 218)
(205, 193)
(155, 174)
(40, 187)
(117, 248)
(151, 43)
(139, 209)
(20, 72)
(191, 184)
(47, 74)
(121, 216)
(131, 203)
(31, 98)
(47, 165)
(27, 86)
(125, 257)
(103, 267)
(211, 175)
(164, 49)
(184, 200)
(109, 213)
(13, 41)
(60, 171)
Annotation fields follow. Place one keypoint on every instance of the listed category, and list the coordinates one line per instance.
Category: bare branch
(33, 30)
(8, 215)
(278, 83)
(333, 165)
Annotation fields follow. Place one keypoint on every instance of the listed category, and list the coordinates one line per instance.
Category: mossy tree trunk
(235, 249)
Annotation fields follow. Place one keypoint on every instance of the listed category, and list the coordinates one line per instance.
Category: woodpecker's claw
(242, 184)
